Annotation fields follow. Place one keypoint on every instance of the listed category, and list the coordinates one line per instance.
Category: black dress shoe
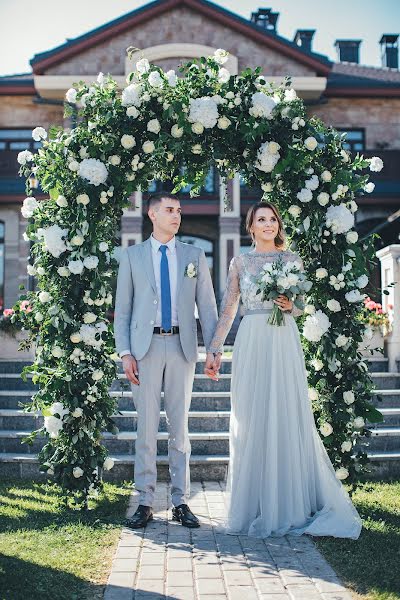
(184, 515)
(142, 516)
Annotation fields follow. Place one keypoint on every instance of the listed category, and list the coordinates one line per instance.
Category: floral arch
(120, 143)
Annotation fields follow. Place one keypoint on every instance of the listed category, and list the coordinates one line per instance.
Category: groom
(159, 282)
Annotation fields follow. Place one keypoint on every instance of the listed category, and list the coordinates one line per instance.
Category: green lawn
(48, 551)
(370, 566)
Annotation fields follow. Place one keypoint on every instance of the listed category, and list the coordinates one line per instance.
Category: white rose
(90, 262)
(39, 133)
(176, 132)
(221, 56)
(108, 463)
(155, 80)
(323, 198)
(41, 271)
(294, 210)
(44, 297)
(352, 237)
(313, 394)
(75, 338)
(362, 281)
(341, 341)
(376, 164)
(132, 111)
(77, 472)
(114, 160)
(63, 271)
(334, 305)
(223, 75)
(62, 202)
(154, 126)
(57, 351)
(326, 176)
(305, 195)
(31, 270)
(143, 66)
(103, 246)
(197, 149)
(97, 375)
(321, 273)
(342, 473)
(89, 317)
(148, 147)
(348, 397)
(317, 364)
(369, 188)
(70, 95)
(223, 123)
(309, 309)
(354, 296)
(311, 143)
(77, 240)
(82, 199)
(73, 165)
(172, 78)
(346, 446)
(78, 412)
(128, 141)
(197, 128)
(326, 429)
(358, 422)
(24, 157)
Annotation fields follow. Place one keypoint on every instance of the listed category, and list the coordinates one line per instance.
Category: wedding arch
(159, 123)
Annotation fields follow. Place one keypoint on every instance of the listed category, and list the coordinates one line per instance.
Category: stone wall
(23, 112)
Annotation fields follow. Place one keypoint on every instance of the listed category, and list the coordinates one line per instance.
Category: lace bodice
(239, 286)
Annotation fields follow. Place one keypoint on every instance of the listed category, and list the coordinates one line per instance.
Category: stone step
(378, 364)
(384, 439)
(390, 399)
(202, 443)
(210, 468)
(391, 417)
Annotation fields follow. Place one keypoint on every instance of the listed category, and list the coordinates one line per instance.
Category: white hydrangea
(354, 296)
(75, 267)
(362, 281)
(339, 219)
(90, 262)
(359, 422)
(315, 326)
(203, 110)
(88, 334)
(334, 305)
(53, 426)
(93, 170)
(53, 239)
(290, 95)
(305, 195)
(24, 157)
(267, 156)
(376, 164)
(44, 296)
(262, 105)
(28, 207)
(132, 95)
(312, 183)
(155, 80)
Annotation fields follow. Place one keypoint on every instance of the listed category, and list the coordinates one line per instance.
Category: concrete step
(390, 399)
(384, 439)
(210, 468)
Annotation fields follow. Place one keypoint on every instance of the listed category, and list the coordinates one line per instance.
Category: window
(2, 232)
(354, 140)
(17, 140)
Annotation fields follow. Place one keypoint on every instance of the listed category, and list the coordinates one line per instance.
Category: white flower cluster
(53, 239)
(203, 110)
(88, 334)
(24, 157)
(93, 170)
(28, 207)
(52, 423)
(262, 105)
(339, 219)
(132, 95)
(315, 326)
(268, 156)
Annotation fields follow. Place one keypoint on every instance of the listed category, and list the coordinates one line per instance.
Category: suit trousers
(164, 366)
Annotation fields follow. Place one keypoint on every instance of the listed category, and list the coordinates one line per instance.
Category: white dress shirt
(173, 276)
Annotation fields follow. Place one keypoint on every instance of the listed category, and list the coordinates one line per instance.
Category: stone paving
(168, 561)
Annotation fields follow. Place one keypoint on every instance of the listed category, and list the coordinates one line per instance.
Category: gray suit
(168, 360)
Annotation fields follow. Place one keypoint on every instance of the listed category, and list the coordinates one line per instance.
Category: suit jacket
(136, 300)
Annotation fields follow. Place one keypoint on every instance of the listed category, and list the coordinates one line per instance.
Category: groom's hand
(212, 367)
(130, 367)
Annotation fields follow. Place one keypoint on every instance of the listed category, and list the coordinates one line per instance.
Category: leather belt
(174, 329)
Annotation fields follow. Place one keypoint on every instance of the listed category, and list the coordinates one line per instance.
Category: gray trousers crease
(164, 366)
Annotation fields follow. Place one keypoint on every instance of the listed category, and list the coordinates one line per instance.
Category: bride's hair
(280, 239)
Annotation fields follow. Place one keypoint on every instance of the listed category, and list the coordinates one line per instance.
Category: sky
(28, 27)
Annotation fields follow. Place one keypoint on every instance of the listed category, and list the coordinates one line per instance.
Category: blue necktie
(166, 312)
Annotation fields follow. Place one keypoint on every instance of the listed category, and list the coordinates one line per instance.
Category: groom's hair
(155, 199)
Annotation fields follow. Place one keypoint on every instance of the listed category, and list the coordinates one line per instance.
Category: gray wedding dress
(280, 478)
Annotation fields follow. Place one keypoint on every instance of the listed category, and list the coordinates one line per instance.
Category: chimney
(348, 50)
(265, 18)
(303, 38)
(390, 50)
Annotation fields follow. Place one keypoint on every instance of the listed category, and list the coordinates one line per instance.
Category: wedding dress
(280, 478)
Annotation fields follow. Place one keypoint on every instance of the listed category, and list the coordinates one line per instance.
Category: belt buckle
(165, 332)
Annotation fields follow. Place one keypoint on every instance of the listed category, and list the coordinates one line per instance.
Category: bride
(280, 478)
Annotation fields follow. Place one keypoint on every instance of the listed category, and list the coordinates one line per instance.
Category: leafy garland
(121, 142)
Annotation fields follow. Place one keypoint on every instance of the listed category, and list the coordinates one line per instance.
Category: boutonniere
(190, 271)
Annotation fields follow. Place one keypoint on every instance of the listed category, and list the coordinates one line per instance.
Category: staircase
(208, 426)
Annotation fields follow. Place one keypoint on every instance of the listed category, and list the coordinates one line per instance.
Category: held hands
(130, 367)
(283, 302)
(213, 365)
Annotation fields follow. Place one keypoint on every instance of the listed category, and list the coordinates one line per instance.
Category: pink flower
(25, 306)
(8, 312)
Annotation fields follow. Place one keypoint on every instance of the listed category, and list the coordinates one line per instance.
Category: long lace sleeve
(228, 309)
(297, 312)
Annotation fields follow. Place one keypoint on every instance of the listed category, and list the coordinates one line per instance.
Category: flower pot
(9, 347)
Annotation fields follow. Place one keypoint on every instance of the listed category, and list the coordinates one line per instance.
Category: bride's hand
(283, 302)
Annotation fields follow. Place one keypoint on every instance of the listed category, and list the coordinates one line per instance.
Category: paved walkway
(169, 561)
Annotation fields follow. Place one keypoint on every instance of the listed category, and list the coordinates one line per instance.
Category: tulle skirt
(280, 478)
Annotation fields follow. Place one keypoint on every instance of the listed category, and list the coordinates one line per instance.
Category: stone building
(360, 100)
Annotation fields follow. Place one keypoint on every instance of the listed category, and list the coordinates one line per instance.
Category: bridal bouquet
(278, 278)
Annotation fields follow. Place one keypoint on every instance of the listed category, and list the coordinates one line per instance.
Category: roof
(40, 62)
(20, 84)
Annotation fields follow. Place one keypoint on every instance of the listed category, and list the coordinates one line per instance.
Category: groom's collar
(155, 244)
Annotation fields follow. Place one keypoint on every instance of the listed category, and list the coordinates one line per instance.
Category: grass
(369, 566)
(49, 551)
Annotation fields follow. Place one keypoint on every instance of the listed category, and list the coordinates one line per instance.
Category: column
(229, 227)
(390, 272)
(132, 222)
